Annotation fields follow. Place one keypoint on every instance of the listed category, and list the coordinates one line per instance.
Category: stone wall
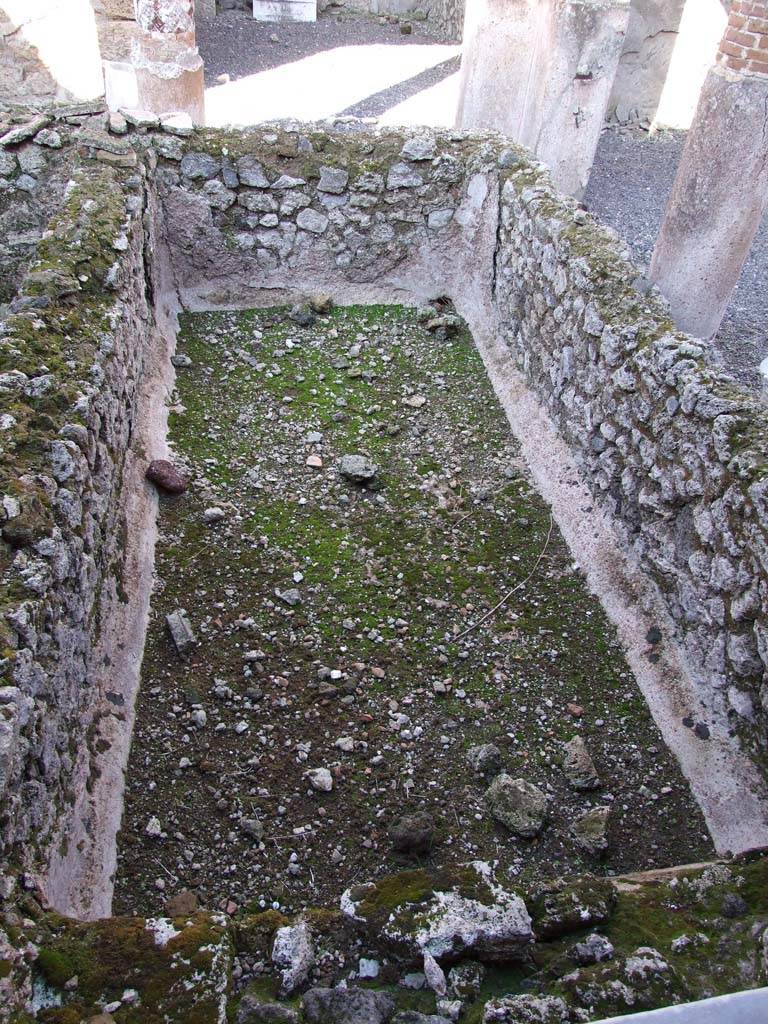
(269, 208)
(676, 454)
(674, 450)
(71, 355)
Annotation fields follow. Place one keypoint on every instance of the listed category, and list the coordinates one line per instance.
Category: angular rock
(593, 950)
(252, 1011)
(293, 954)
(485, 759)
(181, 631)
(311, 220)
(569, 905)
(447, 916)
(579, 766)
(518, 805)
(413, 833)
(347, 1006)
(528, 1009)
(166, 477)
(590, 831)
(251, 173)
(420, 147)
(200, 166)
(357, 468)
(403, 176)
(333, 180)
(320, 779)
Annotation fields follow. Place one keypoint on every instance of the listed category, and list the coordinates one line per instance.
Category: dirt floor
(341, 627)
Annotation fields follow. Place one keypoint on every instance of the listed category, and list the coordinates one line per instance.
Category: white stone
(320, 779)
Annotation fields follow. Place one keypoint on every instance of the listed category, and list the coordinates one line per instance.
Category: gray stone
(527, 1009)
(593, 950)
(518, 805)
(403, 176)
(358, 469)
(181, 631)
(333, 179)
(49, 137)
(590, 831)
(438, 219)
(311, 220)
(200, 165)
(420, 147)
(320, 779)
(347, 1006)
(252, 1011)
(251, 172)
(485, 759)
(286, 181)
(579, 766)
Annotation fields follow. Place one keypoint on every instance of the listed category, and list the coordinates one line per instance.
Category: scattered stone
(358, 469)
(527, 1009)
(253, 1011)
(320, 779)
(117, 123)
(252, 827)
(485, 759)
(302, 314)
(367, 968)
(734, 905)
(181, 631)
(570, 905)
(293, 954)
(22, 132)
(347, 1006)
(290, 597)
(251, 173)
(183, 904)
(178, 123)
(578, 765)
(593, 950)
(314, 461)
(518, 805)
(413, 834)
(645, 964)
(214, 515)
(590, 831)
(166, 477)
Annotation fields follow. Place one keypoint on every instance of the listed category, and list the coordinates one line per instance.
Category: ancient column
(169, 69)
(541, 72)
(721, 189)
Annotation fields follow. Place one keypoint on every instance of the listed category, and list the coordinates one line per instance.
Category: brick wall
(745, 43)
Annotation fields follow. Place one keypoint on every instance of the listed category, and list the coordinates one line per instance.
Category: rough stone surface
(347, 1006)
(518, 805)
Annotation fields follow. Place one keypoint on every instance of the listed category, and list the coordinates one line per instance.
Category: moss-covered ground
(381, 649)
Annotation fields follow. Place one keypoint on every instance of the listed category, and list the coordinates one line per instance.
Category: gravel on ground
(376, 590)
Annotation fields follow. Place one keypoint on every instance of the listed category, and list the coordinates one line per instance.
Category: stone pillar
(169, 69)
(721, 189)
(541, 72)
